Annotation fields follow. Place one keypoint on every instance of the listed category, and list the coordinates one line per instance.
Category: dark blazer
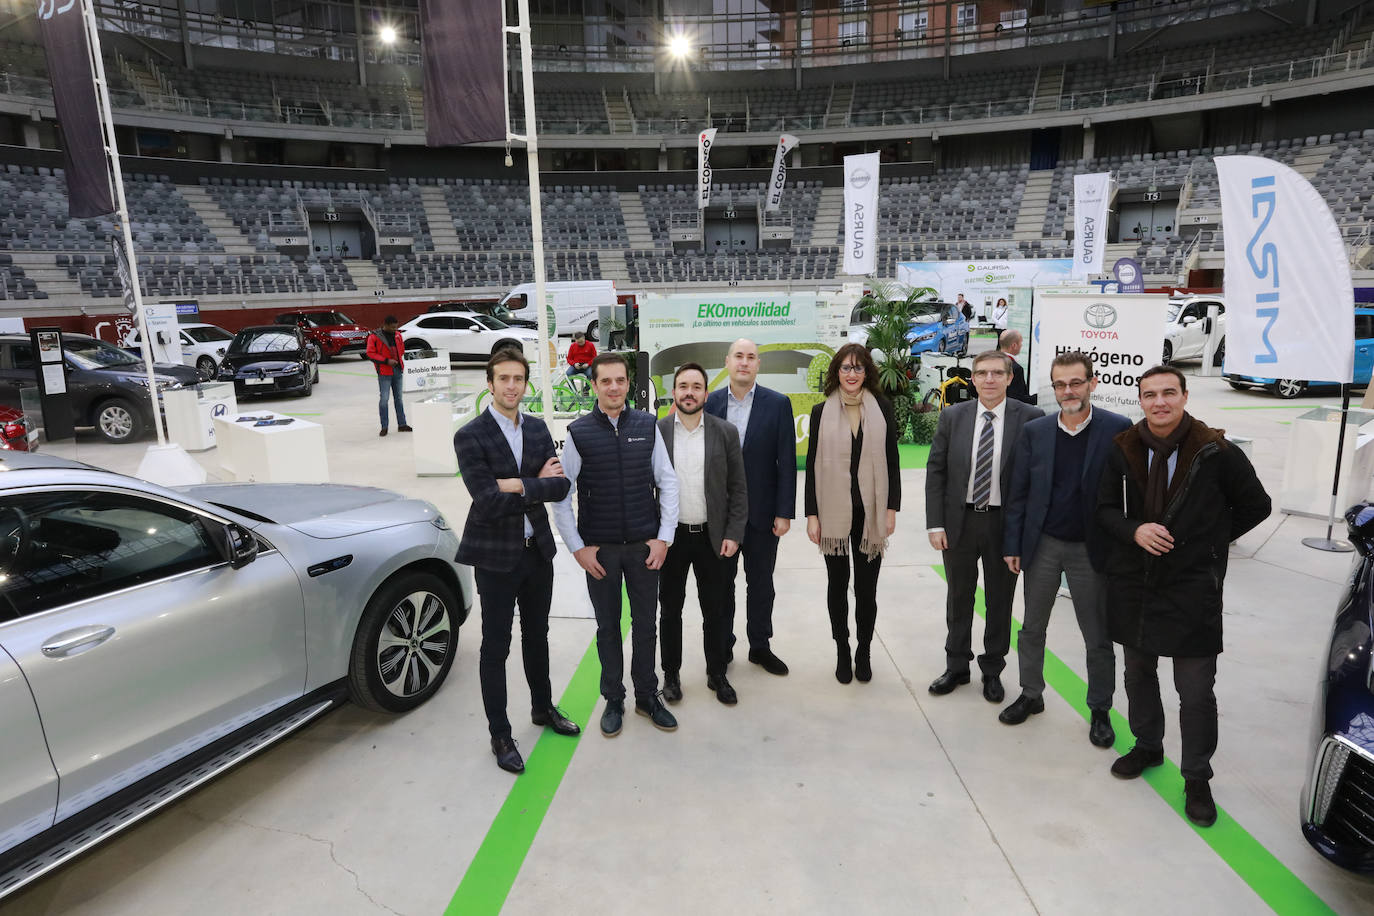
(951, 461)
(1018, 390)
(770, 454)
(494, 534)
(892, 457)
(1028, 503)
(727, 496)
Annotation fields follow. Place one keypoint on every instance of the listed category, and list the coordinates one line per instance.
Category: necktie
(982, 466)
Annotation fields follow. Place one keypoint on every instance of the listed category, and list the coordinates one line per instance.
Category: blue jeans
(391, 383)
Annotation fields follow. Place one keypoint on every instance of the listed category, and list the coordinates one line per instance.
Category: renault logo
(1099, 315)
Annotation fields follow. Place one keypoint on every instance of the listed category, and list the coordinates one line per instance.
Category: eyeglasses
(1074, 383)
(852, 370)
(990, 373)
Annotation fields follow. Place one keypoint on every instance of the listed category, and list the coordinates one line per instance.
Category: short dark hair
(1162, 370)
(506, 355)
(691, 367)
(390, 319)
(604, 359)
(862, 357)
(1071, 358)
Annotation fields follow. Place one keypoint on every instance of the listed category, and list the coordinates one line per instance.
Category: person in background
(965, 307)
(1009, 342)
(853, 494)
(999, 315)
(580, 355)
(386, 350)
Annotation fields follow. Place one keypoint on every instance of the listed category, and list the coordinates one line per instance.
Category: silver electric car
(152, 638)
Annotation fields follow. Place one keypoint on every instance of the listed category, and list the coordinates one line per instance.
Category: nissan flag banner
(464, 71)
(1290, 304)
(861, 214)
(786, 143)
(1090, 194)
(78, 111)
(705, 140)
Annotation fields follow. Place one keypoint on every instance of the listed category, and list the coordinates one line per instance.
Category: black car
(270, 359)
(1337, 807)
(108, 386)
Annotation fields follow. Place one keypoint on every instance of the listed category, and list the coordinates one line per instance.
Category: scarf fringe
(835, 547)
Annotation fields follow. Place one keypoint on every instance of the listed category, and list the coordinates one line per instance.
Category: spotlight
(387, 35)
(679, 46)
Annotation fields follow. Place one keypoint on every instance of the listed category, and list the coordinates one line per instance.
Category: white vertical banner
(786, 143)
(1091, 194)
(705, 140)
(1290, 303)
(861, 214)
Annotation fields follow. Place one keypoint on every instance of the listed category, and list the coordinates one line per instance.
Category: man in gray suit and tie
(968, 471)
(713, 506)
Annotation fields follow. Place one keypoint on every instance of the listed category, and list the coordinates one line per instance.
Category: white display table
(1311, 461)
(191, 413)
(290, 453)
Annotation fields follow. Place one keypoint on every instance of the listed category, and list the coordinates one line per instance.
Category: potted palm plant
(892, 307)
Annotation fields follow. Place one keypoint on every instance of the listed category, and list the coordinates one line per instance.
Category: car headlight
(928, 335)
(162, 383)
(439, 521)
(292, 367)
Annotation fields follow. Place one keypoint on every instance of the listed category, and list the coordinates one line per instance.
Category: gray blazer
(727, 494)
(950, 462)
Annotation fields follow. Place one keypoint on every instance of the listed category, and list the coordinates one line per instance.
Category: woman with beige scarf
(853, 492)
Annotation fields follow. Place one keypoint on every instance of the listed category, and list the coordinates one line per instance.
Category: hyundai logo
(219, 410)
(1099, 315)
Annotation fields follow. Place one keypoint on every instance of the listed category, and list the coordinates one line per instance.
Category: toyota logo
(860, 178)
(1099, 315)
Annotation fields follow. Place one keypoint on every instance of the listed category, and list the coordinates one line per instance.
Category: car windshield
(97, 354)
(320, 319)
(490, 323)
(208, 334)
(1174, 309)
(264, 340)
(927, 312)
(860, 315)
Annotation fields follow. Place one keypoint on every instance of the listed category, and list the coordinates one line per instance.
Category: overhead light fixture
(679, 46)
(387, 35)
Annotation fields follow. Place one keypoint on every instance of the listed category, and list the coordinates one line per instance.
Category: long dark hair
(863, 358)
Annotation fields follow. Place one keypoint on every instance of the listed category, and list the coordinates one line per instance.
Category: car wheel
(1288, 388)
(118, 421)
(315, 374)
(1168, 353)
(405, 643)
(207, 367)
(1238, 386)
(413, 344)
(594, 332)
(309, 383)
(508, 342)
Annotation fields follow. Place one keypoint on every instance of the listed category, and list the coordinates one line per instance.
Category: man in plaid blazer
(509, 465)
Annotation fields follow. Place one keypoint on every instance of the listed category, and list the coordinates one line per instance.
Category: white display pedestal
(191, 413)
(1311, 462)
(435, 420)
(293, 453)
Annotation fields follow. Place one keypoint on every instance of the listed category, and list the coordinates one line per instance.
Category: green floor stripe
(492, 872)
(913, 456)
(1283, 891)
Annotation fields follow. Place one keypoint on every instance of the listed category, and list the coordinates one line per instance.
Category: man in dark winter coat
(1173, 496)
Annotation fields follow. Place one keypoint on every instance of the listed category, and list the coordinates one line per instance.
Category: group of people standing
(1137, 518)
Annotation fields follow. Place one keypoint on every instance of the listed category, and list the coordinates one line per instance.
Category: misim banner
(1290, 304)
(861, 214)
(786, 143)
(705, 140)
(73, 95)
(464, 71)
(1090, 194)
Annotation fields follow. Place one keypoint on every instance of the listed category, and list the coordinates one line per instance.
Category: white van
(577, 304)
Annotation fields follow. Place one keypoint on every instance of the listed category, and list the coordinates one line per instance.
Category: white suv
(466, 336)
(1185, 331)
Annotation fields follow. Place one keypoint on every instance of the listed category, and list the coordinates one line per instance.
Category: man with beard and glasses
(1051, 530)
(713, 506)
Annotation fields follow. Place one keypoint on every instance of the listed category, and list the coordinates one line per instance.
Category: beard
(690, 410)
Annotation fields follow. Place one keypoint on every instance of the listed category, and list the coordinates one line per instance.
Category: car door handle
(69, 642)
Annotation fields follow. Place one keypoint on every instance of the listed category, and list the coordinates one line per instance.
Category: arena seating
(496, 215)
(13, 283)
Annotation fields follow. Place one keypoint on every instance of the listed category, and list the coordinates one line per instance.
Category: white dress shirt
(738, 411)
(1081, 426)
(689, 465)
(515, 438)
(663, 477)
(1000, 414)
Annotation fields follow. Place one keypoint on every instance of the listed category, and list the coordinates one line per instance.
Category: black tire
(207, 367)
(315, 348)
(414, 343)
(594, 331)
(1238, 386)
(1220, 355)
(117, 420)
(1288, 388)
(508, 342)
(1168, 353)
(309, 383)
(417, 672)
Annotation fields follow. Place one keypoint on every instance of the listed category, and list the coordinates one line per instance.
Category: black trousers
(981, 541)
(624, 563)
(760, 551)
(865, 587)
(1194, 679)
(530, 585)
(694, 550)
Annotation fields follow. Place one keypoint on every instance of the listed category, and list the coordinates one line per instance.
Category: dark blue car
(1337, 805)
(1291, 387)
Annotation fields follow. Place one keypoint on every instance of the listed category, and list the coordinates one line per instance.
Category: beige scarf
(841, 418)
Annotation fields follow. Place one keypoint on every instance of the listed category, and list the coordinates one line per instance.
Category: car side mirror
(237, 545)
(1191, 319)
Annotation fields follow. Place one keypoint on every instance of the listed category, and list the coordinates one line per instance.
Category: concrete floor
(808, 797)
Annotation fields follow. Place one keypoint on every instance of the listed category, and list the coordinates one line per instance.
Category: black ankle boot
(863, 670)
(843, 672)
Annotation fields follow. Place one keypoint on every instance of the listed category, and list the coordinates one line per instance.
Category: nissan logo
(860, 178)
(1099, 315)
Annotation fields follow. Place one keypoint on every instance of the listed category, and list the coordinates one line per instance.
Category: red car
(330, 333)
(14, 432)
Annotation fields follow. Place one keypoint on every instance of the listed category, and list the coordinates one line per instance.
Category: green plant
(923, 422)
(892, 307)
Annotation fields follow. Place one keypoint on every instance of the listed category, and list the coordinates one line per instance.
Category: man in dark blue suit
(1051, 529)
(509, 465)
(769, 440)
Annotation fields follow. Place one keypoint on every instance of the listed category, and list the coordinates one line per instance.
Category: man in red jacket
(580, 355)
(386, 351)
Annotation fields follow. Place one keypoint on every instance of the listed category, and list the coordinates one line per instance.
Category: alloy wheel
(414, 643)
